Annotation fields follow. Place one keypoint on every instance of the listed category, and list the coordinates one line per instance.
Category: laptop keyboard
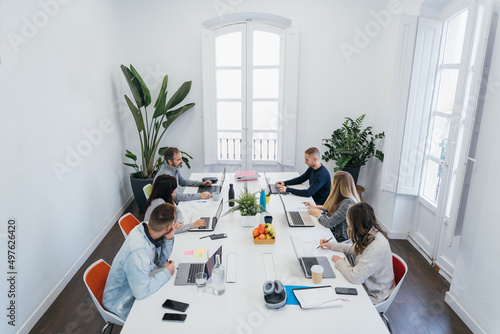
(296, 218)
(207, 220)
(194, 268)
(308, 263)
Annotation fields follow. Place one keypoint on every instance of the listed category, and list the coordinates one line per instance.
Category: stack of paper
(246, 175)
(317, 297)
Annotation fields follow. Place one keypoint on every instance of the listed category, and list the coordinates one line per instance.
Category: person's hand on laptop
(170, 265)
(314, 212)
(335, 258)
(205, 195)
(207, 183)
(282, 188)
(199, 222)
(279, 184)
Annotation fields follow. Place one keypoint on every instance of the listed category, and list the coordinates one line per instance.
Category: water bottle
(231, 194)
(263, 200)
(218, 277)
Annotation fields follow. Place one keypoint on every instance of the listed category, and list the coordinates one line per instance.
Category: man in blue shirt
(318, 176)
(148, 246)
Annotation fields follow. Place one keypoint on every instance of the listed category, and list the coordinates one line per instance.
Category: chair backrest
(127, 222)
(148, 189)
(95, 279)
(400, 270)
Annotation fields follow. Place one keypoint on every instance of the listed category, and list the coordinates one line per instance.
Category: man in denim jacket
(146, 247)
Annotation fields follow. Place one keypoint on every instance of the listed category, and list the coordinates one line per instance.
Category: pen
(206, 236)
(325, 242)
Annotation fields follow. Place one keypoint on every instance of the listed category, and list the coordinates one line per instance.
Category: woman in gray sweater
(164, 189)
(342, 195)
(373, 263)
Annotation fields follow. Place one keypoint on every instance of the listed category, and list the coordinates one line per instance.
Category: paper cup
(317, 273)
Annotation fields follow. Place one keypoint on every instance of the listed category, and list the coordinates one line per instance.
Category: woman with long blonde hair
(342, 195)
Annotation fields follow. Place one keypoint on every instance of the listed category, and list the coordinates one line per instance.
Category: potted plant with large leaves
(151, 126)
(351, 146)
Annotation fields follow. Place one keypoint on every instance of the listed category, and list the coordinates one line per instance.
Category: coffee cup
(317, 273)
(216, 196)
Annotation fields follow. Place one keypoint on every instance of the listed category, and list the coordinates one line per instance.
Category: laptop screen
(211, 262)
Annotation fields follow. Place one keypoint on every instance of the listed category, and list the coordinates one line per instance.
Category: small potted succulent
(248, 206)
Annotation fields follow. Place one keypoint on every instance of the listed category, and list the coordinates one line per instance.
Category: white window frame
(288, 101)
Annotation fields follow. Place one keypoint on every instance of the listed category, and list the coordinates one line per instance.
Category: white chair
(400, 270)
(95, 279)
(147, 189)
(127, 222)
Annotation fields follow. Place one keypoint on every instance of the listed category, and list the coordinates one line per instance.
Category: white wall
(474, 289)
(55, 86)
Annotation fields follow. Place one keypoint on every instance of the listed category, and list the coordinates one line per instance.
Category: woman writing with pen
(164, 189)
(373, 263)
(342, 195)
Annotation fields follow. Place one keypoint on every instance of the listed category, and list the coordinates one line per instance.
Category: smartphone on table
(175, 305)
(346, 291)
(179, 317)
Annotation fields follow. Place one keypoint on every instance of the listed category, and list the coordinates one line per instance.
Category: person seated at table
(173, 162)
(316, 173)
(164, 189)
(342, 196)
(147, 246)
(373, 262)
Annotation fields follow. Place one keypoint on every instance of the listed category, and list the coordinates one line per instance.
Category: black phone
(346, 291)
(175, 305)
(218, 236)
(174, 317)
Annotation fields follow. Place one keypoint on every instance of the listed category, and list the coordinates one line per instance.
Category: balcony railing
(262, 149)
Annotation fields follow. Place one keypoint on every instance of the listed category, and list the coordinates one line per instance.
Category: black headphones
(271, 287)
(158, 242)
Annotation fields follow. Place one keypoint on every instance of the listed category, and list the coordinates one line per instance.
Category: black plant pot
(354, 171)
(137, 185)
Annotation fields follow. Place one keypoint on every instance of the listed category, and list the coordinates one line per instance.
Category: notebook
(317, 297)
(211, 222)
(297, 218)
(248, 175)
(214, 188)
(186, 271)
(307, 262)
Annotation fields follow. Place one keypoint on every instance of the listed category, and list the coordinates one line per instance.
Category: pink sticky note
(188, 252)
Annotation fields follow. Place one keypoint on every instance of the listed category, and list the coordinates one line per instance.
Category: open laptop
(214, 188)
(186, 271)
(297, 218)
(307, 262)
(210, 221)
(272, 188)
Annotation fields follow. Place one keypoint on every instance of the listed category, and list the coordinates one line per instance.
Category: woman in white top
(164, 189)
(342, 196)
(373, 263)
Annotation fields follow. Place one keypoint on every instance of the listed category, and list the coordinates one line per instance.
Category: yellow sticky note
(201, 251)
(198, 254)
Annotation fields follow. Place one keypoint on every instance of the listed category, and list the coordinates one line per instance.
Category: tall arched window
(250, 67)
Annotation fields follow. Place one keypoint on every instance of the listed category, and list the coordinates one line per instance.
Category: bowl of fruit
(264, 234)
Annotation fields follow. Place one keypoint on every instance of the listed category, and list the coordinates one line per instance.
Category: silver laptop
(210, 221)
(297, 218)
(272, 188)
(307, 262)
(214, 188)
(186, 271)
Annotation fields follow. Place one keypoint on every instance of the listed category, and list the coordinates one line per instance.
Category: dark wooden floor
(419, 306)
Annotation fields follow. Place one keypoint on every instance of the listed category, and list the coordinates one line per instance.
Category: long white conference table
(242, 309)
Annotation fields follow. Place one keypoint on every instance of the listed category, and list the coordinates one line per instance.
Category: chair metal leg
(386, 321)
(106, 326)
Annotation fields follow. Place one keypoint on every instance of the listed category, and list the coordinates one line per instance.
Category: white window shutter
(208, 80)
(290, 94)
(419, 105)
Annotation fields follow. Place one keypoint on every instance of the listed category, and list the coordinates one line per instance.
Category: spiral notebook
(317, 297)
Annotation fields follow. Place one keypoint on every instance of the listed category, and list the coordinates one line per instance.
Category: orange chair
(400, 270)
(95, 279)
(127, 222)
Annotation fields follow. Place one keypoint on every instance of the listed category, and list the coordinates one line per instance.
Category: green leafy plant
(247, 204)
(152, 127)
(351, 145)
